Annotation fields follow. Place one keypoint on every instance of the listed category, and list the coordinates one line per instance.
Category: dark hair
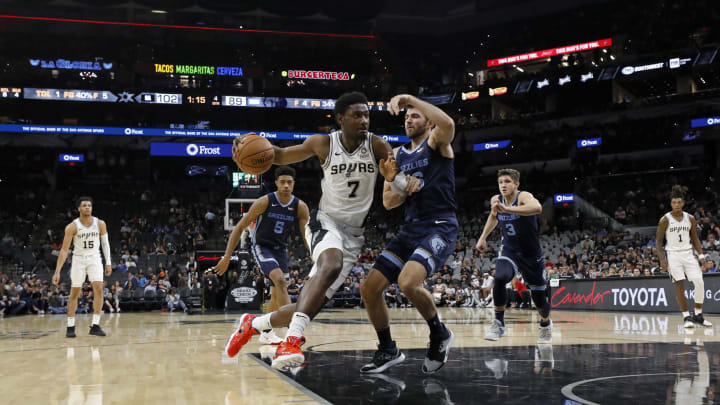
(677, 192)
(514, 174)
(284, 171)
(346, 100)
(81, 199)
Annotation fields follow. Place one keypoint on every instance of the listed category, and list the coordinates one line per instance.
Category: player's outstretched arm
(105, 244)
(527, 205)
(303, 218)
(316, 145)
(256, 209)
(443, 131)
(70, 232)
(660, 243)
(490, 225)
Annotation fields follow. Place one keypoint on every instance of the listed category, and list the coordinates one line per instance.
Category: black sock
(544, 323)
(385, 339)
(500, 316)
(436, 327)
(267, 331)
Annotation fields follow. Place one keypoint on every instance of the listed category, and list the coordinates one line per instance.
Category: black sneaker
(95, 330)
(70, 332)
(383, 359)
(437, 354)
(700, 320)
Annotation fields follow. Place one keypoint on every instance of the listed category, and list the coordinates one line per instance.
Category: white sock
(698, 311)
(71, 321)
(262, 323)
(298, 324)
(96, 319)
(686, 313)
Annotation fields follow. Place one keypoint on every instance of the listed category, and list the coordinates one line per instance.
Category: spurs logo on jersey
(87, 239)
(677, 235)
(349, 181)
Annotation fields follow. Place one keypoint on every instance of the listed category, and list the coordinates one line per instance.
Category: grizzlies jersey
(437, 195)
(86, 241)
(274, 225)
(677, 234)
(519, 233)
(349, 181)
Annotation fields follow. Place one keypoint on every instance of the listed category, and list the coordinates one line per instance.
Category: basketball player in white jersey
(678, 232)
(350, 159)
(87, 234)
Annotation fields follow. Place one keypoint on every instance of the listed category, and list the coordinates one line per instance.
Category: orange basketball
(254, 154)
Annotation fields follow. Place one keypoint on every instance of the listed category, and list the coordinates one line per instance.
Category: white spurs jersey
(349, 181)
(87, 239)
(677, 234)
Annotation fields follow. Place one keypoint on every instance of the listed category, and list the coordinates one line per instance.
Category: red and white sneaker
(288, 354)
(241, 336)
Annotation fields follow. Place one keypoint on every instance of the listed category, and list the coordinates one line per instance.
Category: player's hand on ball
(108, 270)
(389, 168)
(481, 244)
(56, 279)
(414, 184)
(398, 103)
(222, 266)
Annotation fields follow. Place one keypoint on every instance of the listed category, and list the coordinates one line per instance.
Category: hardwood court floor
(164, 358)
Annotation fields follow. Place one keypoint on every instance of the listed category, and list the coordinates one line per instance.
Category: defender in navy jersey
(276, 215)
(424, 169)
(516, 212)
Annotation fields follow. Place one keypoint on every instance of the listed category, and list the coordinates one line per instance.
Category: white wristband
(701, 256)
(399, 185)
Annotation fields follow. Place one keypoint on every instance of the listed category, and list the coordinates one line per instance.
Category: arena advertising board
(241, 294)
(649, 294)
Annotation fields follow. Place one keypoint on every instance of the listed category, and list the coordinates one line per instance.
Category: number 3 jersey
(349, 181)
(274, 225)
(519, 233)
(86, 241)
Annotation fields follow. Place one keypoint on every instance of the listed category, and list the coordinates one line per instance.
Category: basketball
(254, 154)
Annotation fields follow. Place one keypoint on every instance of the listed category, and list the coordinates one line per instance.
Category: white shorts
(90, 266)
(334, 235)
(683, 264)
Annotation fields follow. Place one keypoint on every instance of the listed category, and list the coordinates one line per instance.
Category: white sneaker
(688, 322)
(497, 330)
(270, 338)
(545, 333)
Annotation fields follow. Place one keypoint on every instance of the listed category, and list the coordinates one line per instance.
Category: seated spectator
(293, 290)
(174, 301)
(709, 267)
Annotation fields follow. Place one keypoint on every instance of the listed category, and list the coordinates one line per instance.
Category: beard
(417, 132)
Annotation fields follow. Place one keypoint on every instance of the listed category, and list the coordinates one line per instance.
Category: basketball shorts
(269, 259)
(323, 233)
(532, 268)
(428, 242)
(89, 266)
(683, 264)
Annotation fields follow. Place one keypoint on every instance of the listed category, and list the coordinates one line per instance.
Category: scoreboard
(194, 98)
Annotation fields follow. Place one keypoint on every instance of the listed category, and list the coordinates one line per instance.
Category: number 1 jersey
(349, 181)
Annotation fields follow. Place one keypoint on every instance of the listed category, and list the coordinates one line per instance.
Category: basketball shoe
(289, 354)
(270, 338)
(700, 320)
(438, 352)
(383, 359)
(241, 336)
(688, 322)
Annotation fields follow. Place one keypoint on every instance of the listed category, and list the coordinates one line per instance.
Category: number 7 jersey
(349, 181)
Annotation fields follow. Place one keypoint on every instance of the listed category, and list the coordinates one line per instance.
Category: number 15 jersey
(349, 181)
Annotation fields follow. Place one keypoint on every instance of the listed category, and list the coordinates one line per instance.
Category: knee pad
(540, 298)
(699, 290)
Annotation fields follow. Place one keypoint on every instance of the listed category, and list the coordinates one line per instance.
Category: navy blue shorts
(429, 242)
(532, 268)
(269, 259)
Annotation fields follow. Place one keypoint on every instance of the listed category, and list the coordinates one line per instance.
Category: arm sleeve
(105, 243)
